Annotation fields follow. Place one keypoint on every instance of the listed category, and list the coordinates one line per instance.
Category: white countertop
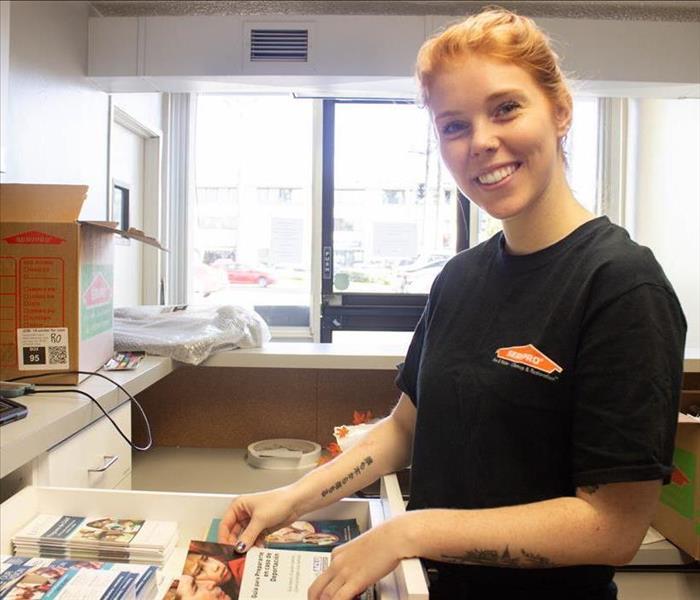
(309, 355)
(53, 418)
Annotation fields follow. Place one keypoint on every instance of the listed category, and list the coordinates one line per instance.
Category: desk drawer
(95, 457)
(194, 512)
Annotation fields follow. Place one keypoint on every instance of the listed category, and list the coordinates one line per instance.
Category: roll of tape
(283, 453)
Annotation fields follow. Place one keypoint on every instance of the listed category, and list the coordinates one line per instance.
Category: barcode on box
(58, 355)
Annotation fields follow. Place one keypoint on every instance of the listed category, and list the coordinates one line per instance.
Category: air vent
(279, 45)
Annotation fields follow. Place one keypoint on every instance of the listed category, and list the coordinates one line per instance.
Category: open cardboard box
(678, 515)
(56, 282)
(194, 512)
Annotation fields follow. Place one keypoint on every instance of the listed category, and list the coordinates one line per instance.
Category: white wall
(667, 199)
(57, 120)
(146, 108)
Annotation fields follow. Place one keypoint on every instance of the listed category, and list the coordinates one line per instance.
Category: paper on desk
(652, 536)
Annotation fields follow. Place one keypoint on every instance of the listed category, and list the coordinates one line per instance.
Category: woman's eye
(507, 108)
(453, 128)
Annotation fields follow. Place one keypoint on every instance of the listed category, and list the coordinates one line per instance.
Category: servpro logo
(99, 292)
(33, 237)
(529, 359)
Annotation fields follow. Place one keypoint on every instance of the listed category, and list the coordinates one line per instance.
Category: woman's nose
(483, 140)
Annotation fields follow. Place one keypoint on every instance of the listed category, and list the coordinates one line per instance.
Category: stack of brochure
(46, 578)
(97, 538)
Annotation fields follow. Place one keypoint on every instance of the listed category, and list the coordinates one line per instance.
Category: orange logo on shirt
(530, 356)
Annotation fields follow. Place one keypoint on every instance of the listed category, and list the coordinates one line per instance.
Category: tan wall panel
(212, 407)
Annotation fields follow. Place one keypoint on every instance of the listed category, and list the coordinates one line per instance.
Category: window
(251, 237)
(120, 205)
(390, 219)
(390, 184)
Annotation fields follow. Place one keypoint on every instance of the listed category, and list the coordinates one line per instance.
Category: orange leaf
(334, 449)
(341, 431)
(359, 417)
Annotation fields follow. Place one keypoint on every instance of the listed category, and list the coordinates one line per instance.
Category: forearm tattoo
(356, 472)
(590, 489)
(494, 558)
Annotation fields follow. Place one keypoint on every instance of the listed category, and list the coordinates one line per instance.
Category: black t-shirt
(538, 373)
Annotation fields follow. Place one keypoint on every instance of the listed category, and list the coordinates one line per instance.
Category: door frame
(152, 196)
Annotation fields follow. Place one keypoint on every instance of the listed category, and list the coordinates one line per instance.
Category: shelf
(308, 355)
(53, 418)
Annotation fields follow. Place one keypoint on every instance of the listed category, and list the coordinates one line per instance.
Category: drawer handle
(109, 461)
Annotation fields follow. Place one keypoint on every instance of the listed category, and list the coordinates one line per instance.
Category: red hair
(501, 35)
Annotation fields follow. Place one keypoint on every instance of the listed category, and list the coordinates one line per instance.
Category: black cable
(149, 442)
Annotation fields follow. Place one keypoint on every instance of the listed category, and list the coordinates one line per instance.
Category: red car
(238, 273)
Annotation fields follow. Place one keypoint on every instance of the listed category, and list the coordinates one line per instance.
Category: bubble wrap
(189, 334)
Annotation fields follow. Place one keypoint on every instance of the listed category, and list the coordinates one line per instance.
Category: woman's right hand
(252, 515)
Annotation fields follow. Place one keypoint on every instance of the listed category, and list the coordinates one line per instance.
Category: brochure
(33, 578)
(260, 574)
(126, 540)
(313, 536)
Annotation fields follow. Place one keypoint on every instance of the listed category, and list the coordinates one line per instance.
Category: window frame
(330, 311)
(356, 311)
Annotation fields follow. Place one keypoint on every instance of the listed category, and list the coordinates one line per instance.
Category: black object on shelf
(11, 410)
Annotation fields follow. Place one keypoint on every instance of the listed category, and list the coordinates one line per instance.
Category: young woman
(541, 387)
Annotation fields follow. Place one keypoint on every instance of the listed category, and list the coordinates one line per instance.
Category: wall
(57, 121)
(667, 198)
(221, 407)
(146, 108)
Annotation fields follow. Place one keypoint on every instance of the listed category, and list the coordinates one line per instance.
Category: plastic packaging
(189, 334)
(348, 436)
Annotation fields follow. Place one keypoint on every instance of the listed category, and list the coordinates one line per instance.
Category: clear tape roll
(283, 453)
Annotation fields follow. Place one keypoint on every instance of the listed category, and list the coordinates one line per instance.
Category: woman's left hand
(360, 563)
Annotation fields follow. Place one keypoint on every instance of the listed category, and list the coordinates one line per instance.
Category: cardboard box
(678, 515)
(56, 278)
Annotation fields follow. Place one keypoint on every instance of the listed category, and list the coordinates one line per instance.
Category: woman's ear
(562, 117)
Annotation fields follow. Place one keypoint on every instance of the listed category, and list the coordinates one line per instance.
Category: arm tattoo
(492, 558)
(356, 472)
(590, 489)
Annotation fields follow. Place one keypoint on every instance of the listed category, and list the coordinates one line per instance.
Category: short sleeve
(627, 383)
(407, 379)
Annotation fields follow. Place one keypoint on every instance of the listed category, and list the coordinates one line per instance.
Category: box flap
(132, 232)
(24, 203)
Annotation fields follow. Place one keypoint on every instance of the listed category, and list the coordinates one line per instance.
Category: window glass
(395, 216)
(251, 234)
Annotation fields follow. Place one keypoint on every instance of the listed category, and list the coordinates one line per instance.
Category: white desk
(53, 418)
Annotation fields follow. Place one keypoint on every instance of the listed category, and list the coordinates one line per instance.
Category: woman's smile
(498, 176)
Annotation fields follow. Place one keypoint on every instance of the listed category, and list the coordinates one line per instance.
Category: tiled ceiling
(653, 11)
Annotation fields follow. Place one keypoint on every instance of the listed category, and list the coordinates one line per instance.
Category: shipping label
(42, 348)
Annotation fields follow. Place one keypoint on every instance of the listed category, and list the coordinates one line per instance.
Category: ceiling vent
(279, 45)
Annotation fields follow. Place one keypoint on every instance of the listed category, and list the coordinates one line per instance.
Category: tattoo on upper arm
(591, 489)
(356, 472)
(492, 558)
